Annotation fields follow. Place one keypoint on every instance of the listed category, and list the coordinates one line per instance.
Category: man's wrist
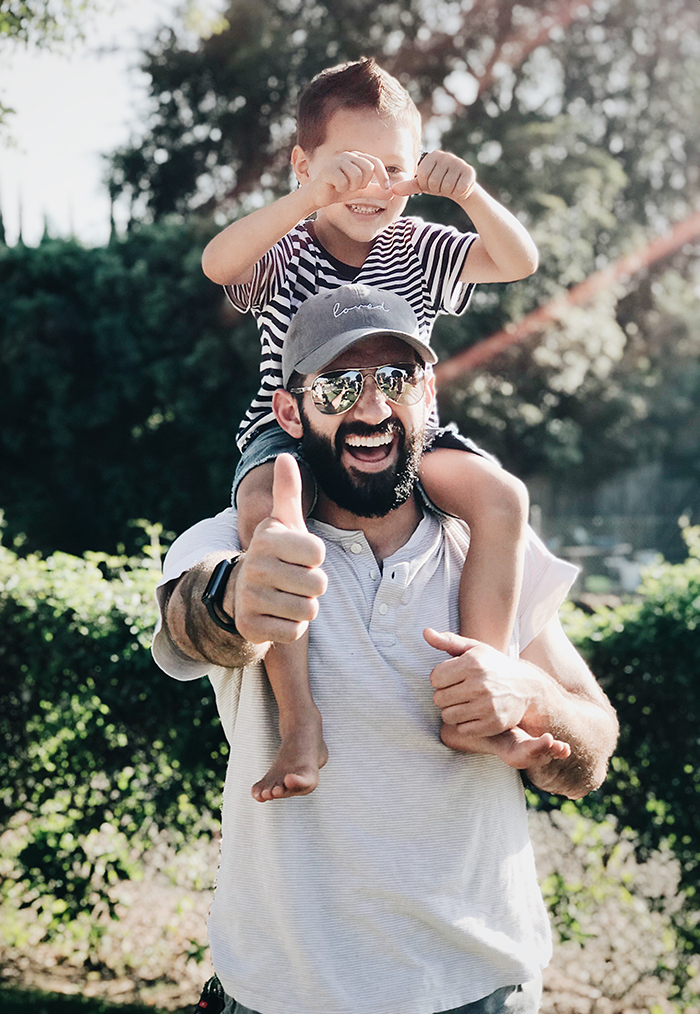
(215, 591)
(534, 721)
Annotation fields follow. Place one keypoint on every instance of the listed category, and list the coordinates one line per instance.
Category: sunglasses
(336, 392)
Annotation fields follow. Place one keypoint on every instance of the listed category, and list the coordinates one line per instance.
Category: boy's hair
(358, 85)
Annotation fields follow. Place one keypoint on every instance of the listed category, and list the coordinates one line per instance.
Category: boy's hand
(350, 174)
(441, 174)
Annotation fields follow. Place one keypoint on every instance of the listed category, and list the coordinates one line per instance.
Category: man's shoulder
(211, 535)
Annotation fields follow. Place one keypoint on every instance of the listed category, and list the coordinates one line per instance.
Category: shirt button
(373, 574)
(356, 548)
(384, 609)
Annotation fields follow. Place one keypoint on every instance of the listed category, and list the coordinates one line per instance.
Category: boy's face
(371, 210)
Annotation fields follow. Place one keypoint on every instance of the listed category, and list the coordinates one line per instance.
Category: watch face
(213, 595)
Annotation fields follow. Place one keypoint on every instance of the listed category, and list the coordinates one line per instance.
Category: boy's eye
(394, 170)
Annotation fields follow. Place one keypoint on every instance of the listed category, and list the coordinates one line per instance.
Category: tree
(121, 387)
(40, 22)
(578, 116)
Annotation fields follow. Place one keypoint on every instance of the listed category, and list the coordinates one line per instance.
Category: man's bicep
(553, 652)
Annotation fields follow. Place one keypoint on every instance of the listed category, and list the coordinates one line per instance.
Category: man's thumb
(453, 644)
(286, 493)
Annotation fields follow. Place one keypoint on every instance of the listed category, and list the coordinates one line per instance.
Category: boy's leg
(302, 751)
(495, 505)
(515, 747)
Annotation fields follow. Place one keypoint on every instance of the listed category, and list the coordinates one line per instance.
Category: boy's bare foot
(514, 747)
(294, 771)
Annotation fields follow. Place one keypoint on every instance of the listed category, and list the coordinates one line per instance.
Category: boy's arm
(230, 257)
(503, 251)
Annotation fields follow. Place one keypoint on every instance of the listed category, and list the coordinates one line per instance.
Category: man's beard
(365, 494)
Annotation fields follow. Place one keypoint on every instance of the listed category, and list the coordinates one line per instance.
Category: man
(405, 884)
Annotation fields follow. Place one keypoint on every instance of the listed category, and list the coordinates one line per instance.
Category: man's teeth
(365, 209)
(376, 440)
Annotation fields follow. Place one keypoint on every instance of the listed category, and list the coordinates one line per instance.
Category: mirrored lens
(335, 393)
(401, 384)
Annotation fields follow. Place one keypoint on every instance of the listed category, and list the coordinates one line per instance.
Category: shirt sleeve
(442, 251)
(547, 581)
(214, 535)
(269, 274)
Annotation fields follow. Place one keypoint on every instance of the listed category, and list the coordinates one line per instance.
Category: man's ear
(300, 164)
(286, 410)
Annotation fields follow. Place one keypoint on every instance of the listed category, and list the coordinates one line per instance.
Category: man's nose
(372, 406)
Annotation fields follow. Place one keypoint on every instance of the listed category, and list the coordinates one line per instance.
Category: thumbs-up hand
(479, 689)
(279, 581)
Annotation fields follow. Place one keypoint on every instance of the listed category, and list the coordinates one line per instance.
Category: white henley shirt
(405, 884)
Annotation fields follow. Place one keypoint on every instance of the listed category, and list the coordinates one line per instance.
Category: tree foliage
(40, 22)
(122, 382)
(121, 388)
(579, 118)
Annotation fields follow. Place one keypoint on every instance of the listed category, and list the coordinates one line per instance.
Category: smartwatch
(213, 596)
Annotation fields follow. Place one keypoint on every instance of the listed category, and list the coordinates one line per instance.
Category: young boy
(357, 159)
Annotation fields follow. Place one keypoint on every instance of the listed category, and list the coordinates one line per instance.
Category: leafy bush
(102, 749)
(646, 654)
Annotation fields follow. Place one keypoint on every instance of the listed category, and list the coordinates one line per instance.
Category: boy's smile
(348, 229)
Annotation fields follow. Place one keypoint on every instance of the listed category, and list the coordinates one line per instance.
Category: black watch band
(213, 596)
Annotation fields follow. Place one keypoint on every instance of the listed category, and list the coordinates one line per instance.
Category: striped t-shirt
(421, 261)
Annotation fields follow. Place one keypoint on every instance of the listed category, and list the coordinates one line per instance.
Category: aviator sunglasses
(336, 392)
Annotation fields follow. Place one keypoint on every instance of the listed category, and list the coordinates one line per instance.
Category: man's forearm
(191, 630)
(590, 728)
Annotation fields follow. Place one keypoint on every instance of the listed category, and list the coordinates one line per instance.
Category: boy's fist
(441, 174)
(347, 174)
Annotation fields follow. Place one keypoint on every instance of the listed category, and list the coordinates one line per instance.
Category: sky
(72, 108)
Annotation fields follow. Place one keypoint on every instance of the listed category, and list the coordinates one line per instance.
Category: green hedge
(122, 382)
(102, 749)
(646, 653)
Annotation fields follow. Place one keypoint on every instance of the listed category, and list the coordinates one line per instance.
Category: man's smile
(371, 448)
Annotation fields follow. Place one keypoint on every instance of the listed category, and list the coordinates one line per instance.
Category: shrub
(646, 654)
(102, 749)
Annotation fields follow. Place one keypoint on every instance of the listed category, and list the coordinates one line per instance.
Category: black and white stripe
(420, 261)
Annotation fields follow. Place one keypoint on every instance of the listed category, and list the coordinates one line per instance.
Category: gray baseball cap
(330, 322)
